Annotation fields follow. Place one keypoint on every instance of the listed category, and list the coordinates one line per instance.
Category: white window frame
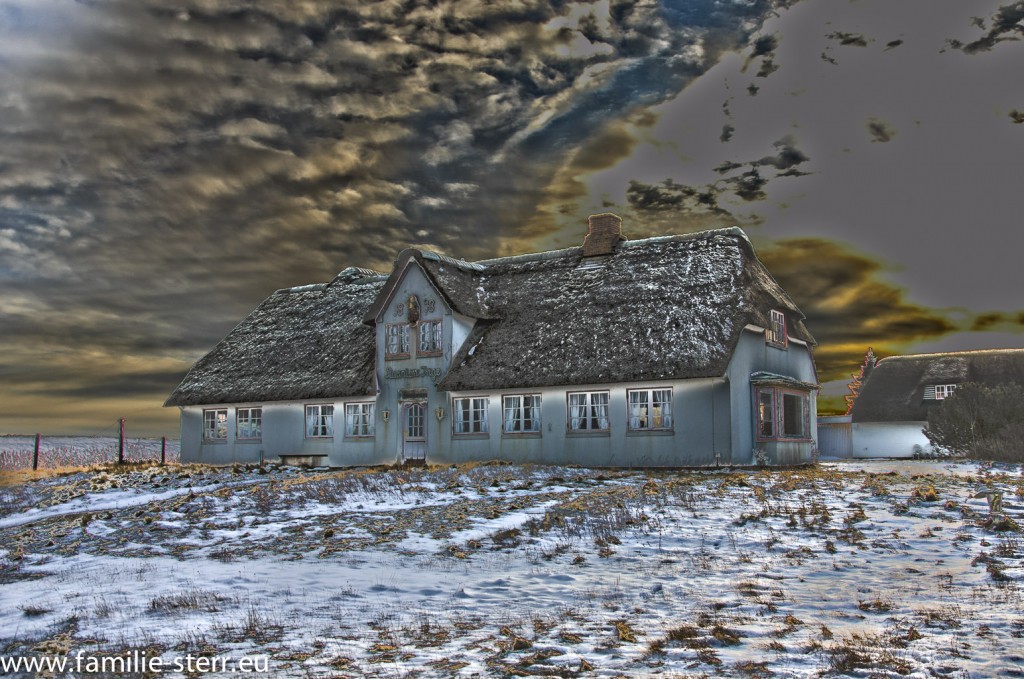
(588, 411)
(360, 419)
(944, 391)
(396, 340)
(776, 334)
(470, 415)
(319, 421)
(215, 424)
(249, 424)
(431, 332)
(520, 414)
(645, 409)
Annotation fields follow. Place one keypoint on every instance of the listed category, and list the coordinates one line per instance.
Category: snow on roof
(670, 307)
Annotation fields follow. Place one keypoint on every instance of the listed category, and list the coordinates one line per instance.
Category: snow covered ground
(859, 569)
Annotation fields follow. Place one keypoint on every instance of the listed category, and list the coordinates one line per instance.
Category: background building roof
(894, 390)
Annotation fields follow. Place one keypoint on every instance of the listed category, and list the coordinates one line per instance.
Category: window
(360, 419)
(776, 333)
(782, 414)
(319, 421)
(469, 415)
(588, 411)
(215, 425)
(396, 340)
(794, 416)
(430, 337)
(650, 409)
(249, 423)
(943, 391)
(765, 413)
(522, 414)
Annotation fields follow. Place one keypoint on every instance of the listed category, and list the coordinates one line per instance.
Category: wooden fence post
(120, 442)
(35, 455)
(163, 450)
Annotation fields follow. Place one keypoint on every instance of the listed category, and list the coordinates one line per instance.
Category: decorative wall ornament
(430, 304)
(413, 304)
(399, 309)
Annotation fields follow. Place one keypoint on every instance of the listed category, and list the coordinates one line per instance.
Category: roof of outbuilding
(661, 308)
(894, 390)
(300, 343)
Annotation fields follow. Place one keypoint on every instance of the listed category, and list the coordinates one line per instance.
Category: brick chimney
(603, 235)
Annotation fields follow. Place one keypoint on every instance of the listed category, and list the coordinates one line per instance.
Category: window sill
(585, 434)
(651, 432)
(777, 345)
(248, 440)
(396, 357)
(360, 438)
(214, 441)
(319, 438)
(520, 435)
(429, 354)
(478, 435)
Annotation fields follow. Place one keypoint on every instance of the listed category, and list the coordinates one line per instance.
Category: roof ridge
(962, 352)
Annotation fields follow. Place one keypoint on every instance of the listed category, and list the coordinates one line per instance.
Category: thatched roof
(300, 343)
(660, 308)
(894, 390)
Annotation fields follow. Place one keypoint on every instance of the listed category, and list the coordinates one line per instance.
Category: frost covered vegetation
(871, 569)
(16, 452)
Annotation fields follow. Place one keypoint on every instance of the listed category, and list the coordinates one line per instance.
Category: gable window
(319, 421)
(430, 338)
(782, 414)
(522, 414)
(776, 332)
(588, 411)
(470, 415)
(215, 425)
(249, 424)
(359, 419)
(649, 409)
(943, 391)
(396, 340)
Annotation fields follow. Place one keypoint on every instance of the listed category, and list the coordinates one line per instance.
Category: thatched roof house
(611, 312)
(892, 406)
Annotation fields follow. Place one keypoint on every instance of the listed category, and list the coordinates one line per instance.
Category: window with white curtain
(319, 421)
(469, 415)
(249, 423)
(396, 340)
(521, 414)
(215, 425)
(588, 411)
(649, 409)
(359, 419)
(430, 337)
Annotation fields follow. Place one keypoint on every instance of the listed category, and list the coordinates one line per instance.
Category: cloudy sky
(166, 164)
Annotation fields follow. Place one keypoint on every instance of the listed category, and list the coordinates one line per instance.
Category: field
(853, 569)
(78, 451)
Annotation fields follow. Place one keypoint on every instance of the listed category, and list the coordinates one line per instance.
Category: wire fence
(18, 452)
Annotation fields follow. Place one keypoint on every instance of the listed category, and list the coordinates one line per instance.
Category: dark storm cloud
(167, 165)
(1006, 24)
(847, 304)
(880, 131)
(849, 39)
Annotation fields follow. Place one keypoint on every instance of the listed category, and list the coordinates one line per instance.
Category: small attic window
(775, 334)
(938, 392)
(396, 340)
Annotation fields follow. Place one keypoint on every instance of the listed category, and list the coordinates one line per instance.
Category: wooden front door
(414, 433)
